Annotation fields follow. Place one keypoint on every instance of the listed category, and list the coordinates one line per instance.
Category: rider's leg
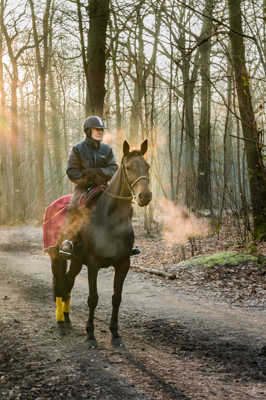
(72, 224)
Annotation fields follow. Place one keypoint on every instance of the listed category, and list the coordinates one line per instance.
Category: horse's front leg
(121, 271)
(92, 302)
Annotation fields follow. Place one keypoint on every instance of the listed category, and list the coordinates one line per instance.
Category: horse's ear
(125, 148)
(144, 147)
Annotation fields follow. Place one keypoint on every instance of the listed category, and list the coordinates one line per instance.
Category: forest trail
(177, 346)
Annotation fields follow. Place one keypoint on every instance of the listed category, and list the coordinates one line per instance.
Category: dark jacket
(90, 154)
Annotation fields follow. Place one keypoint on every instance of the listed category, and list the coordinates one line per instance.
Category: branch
(68, 58)
(248, 140)
(35, 35)
(215, 20)
(25, 47)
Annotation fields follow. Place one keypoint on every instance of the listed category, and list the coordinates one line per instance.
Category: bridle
(129, 185)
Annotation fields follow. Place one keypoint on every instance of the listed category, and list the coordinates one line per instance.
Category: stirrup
(67, 252)
(134, 252)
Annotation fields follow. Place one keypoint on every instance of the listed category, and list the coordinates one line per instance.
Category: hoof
(92, 343)
(134, 252)
(117, 342)
(61, 328)
(67, 326)
(67, 319)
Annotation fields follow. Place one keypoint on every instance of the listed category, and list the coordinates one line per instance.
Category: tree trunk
(136, 111)
(93, 53)
(204, 165)
(18, 213)
(96, 55)
(256, 169)
(228, 151)
(180, 154)
(170, 133)
(56, 135)
(143, 70)
(3, 143)
(136, 108)
(190, 192)
(41, 144)
(117, 90)
(114, 33)
(42, 63)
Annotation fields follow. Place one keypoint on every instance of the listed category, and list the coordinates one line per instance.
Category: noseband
(129, 185)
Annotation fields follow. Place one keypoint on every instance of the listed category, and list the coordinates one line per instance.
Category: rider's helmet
(92, 122)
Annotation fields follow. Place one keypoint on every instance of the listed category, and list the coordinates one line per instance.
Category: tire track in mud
(165, 357)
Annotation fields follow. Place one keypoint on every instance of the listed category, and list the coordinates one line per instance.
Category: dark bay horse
(105, 239)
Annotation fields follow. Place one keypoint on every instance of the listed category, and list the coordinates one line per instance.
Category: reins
(130, 186)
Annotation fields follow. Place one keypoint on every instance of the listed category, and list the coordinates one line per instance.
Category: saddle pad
(55, 214)
(53, 220)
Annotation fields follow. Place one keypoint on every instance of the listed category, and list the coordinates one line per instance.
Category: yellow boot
(59, 310)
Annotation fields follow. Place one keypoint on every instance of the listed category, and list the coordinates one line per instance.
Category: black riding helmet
(92, 122)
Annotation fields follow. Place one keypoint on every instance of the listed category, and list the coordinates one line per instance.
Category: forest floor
(199, 335)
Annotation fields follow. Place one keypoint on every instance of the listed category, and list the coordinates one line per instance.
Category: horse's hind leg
(74, 270)
(121, 271)
(92, 302)
(59, 267)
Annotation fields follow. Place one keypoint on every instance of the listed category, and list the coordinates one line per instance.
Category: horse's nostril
(145, 197)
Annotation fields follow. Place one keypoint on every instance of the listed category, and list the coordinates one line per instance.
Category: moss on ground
(224, 258)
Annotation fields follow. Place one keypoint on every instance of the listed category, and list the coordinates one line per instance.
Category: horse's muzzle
(143, 198)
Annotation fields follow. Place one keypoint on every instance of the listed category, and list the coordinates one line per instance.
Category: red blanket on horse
(55, 214)
(53, 220)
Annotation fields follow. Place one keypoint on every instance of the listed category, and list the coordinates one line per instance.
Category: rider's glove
(100, 180)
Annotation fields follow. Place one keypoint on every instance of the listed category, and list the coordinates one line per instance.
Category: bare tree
(204, 164)
(42, 60)
(256, 168)
(93, 51)
(4, 210)
(189, 79)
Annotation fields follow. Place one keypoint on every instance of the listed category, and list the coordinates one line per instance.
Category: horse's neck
(118, 185)
(117, 198)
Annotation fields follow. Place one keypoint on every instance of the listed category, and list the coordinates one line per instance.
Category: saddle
(55, 214)
(92, 194)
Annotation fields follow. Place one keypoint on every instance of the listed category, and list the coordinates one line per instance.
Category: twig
(155, 272)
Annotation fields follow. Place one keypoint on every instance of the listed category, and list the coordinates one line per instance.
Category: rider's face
(97, 134)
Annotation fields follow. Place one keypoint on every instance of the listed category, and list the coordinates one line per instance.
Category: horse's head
(136, 171)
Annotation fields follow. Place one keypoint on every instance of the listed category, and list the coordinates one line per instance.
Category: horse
(106, 239)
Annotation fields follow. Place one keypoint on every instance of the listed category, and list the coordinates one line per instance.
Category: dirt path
(177, 345)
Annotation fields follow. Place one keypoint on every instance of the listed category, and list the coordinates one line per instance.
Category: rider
(91, 163)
